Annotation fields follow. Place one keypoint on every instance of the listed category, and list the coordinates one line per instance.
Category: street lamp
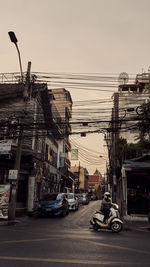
(14, 40)
(13, 121)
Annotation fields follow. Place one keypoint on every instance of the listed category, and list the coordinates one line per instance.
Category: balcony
(67, 163)
(67, 146)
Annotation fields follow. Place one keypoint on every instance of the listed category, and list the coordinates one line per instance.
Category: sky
(77, 36)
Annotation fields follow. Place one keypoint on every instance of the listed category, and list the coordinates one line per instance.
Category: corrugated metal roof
(142, 162)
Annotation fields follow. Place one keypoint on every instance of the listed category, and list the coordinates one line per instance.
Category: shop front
(137, 175)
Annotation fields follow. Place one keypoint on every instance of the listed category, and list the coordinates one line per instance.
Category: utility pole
(115, 136)
(78, 176)
(14, 185)
(27, 83)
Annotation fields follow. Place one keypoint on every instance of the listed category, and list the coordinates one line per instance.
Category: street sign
(13, 174)
(74, 154)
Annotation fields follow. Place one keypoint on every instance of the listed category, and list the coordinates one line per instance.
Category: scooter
(113, 223)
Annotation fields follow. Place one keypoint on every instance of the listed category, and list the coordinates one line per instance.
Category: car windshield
(50, 197)
(69, 196)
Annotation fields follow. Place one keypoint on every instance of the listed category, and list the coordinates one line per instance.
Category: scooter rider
(106, 205)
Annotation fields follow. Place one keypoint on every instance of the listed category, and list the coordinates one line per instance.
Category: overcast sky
(103, 36)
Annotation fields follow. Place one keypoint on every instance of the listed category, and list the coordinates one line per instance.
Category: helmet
(107, 195)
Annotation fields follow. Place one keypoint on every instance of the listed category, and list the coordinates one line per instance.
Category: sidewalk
(136, 222)
(130, 222)
(19, 219)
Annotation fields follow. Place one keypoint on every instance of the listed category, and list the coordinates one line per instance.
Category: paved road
(70, 242)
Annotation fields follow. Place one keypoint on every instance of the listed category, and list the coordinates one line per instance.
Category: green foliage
(129, 151)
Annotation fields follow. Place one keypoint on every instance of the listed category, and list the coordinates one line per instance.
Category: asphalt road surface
(69, 241)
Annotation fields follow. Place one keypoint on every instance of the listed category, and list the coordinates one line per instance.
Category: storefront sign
(5, 146)
(74, 154)
(62, 159)
(31, 193)
(4, 201)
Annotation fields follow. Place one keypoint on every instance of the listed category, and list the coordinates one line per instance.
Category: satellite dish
(123, 78)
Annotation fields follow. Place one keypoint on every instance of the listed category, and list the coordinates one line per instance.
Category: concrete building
(81, 182)
(129, 184)
(61, 106)
(131, 97)
(28, 125)
(95, 184)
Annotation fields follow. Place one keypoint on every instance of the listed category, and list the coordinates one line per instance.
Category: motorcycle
(113, 222)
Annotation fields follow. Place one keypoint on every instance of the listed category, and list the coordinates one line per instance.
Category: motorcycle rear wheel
(116, 227)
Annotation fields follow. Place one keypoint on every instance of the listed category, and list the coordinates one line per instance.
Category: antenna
(123, 78)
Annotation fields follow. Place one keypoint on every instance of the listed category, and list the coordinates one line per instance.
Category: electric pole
(14, 184)
(115, 136)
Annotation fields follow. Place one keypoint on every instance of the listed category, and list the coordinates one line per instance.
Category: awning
(142, 163)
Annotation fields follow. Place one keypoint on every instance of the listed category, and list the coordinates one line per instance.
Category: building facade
(125, 130)
(61, 105)
(96, 185)
(31, 142)
(81, 180)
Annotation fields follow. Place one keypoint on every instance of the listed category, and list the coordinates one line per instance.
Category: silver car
(73, 201)
(85, 199)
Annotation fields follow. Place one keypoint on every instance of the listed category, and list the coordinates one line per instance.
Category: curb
(136, 225)
(8, 223)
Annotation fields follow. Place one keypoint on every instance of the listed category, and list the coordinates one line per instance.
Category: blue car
(53, 204)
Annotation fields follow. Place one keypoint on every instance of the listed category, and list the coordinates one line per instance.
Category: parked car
(93, 197)
(73, 201)
(53, 204)
(85, 199)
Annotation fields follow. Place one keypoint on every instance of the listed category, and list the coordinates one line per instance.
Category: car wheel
(64, 213)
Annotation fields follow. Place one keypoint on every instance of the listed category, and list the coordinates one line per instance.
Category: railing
(10, 77)
(67, 163)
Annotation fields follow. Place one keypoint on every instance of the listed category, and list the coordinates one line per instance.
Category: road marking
(90, 262)
(77, 237)
(28, 240)
(117, 247)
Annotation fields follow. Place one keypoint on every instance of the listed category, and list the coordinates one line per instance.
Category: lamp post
(14, 184)
(14, 40)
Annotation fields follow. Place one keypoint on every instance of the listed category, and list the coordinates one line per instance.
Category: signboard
(74, 154)
(4, 201)
(31, 193)
(62, 159)
(5, 146)
(13, 174)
